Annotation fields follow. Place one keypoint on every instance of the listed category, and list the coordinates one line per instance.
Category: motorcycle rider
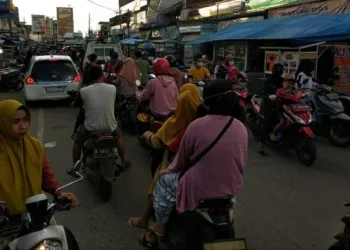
(162, 91)
(224, 68)
(274, 82)
(178, 75)
(199, 72)
(99, 100)
(283, 95)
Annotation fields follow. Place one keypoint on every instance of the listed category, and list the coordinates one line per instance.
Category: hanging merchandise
(290, 62)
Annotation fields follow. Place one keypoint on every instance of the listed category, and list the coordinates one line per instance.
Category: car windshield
(60, 70)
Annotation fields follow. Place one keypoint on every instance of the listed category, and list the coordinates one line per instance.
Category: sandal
(149, 239)
(151, 228)
(134, 222)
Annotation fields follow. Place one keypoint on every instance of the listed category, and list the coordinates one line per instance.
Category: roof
(301, 29)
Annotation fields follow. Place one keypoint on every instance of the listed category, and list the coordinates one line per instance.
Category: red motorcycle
(241, 89)
(296, 135)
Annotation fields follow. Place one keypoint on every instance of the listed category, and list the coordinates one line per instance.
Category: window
(60, 70)
(99, 51)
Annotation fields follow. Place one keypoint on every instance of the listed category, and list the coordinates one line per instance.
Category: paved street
(283, 205)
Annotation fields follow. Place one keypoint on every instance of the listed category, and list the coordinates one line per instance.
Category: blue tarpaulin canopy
(131, 41)
(300, 29)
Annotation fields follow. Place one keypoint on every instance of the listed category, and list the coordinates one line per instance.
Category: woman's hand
(72, 198)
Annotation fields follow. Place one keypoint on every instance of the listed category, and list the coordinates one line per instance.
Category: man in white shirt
(98, 101)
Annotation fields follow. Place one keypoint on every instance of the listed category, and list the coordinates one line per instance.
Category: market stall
(129, 45)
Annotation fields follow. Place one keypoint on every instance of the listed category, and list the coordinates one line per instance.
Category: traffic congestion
(124, 137)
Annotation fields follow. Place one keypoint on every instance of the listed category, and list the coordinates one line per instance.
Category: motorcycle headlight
(49, 245)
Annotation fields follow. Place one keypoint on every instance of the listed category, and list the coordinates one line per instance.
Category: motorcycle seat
(217, 202)
(95, 134)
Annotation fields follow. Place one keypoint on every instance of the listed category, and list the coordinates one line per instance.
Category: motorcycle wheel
(306, 151)
(105, 188)
(339, 135)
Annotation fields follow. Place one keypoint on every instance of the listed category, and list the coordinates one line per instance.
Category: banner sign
(4, 6)
(65, 21)
(266, 4)
(341, 68)
(327, 7)
(224, 24)
(38, 24)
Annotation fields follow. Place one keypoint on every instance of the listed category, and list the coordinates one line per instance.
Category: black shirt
(272, 84)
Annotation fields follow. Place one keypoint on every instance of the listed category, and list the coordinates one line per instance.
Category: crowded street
(283, 204)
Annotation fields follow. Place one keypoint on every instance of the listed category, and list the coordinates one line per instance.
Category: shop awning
(301, 29)
(131, 41)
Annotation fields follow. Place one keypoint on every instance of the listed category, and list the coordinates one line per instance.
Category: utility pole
(89, 26)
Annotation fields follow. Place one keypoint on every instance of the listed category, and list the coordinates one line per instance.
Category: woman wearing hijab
(189, 178)
(25, 170)
(167, 137)
(128, 75)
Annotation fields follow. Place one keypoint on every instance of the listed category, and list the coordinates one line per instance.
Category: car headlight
(48, 245)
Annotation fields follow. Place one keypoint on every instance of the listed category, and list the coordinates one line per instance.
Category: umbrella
(146, 45)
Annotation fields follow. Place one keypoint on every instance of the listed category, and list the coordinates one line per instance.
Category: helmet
(171, 59)
(161, 66)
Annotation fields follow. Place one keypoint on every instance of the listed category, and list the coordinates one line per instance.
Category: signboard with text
(224, 24)
(65, 21)
(265, 4)
(341, 68)
(326, 7)
(38, 24)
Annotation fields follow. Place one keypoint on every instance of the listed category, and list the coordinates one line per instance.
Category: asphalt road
(283, 205)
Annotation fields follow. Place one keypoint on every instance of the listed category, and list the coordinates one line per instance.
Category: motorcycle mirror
(138, 83)
(76, 173)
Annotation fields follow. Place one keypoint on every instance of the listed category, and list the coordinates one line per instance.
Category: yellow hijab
(189, 100)
(20, 162)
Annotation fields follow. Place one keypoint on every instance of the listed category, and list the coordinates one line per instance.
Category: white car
(50, 77)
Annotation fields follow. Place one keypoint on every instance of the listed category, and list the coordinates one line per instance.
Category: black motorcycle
(127, 113)
(343, 239)
(99, 162)
(210, 226)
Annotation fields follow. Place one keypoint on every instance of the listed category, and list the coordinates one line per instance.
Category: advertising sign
(4, 6)
(38, 24)
(290, 62)
(341, 68)
(265, 4)
(224, 24)
(271, 58)
(327, 7)
(65, 21)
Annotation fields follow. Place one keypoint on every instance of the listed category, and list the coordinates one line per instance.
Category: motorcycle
(34, 228)
(295, 135)
(99, 162)
(210, 226)
(12, 76)
(241, 90)
(331, 120)
(343, 239)
(127, 113)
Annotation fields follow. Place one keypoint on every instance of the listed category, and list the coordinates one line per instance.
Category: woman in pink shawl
(127, 75)
(219, 172)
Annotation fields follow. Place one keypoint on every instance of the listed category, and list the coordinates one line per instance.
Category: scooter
(99, 162)
(331, 120)
(343, 239)
(35, 230)
(241, 90)
(295, 135)
(210, 226)
(127, 114)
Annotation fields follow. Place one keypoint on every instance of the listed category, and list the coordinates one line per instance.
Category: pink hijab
(130, 71)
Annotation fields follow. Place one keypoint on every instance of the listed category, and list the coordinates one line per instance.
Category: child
(282, 95)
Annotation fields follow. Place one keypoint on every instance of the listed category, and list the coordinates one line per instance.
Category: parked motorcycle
(34, 228)
(99, 162)
(343, 239)
(295, 135)
(331, 120)
(12, 76)
(210, 226)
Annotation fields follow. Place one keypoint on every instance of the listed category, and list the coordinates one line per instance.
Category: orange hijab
(130, 71)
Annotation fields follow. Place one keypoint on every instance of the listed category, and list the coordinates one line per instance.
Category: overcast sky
(81, 10)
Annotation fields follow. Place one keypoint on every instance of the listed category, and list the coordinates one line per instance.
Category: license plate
(55, 89)
(332, 96)
(234, 244)
(105, 152)
(300, 106)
